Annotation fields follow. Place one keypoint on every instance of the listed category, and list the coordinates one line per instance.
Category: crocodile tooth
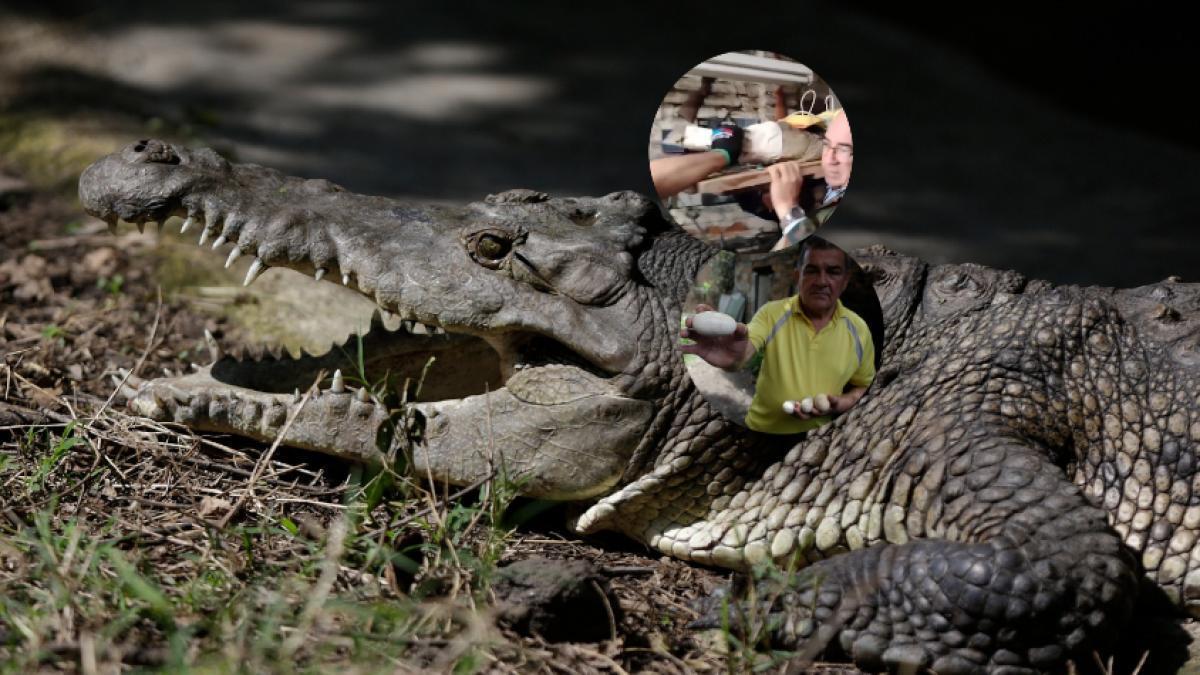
(233, 255)
(214, 348)
(363, 395)
(130, 379)
(345, 278)
(339, 384)
(141, 226)
(296, 395)
(178, 394)
(124, 389)
(203, 236)
(187, 223)
(111, 221)
(319, 273)
(221, 241)
(256, 268)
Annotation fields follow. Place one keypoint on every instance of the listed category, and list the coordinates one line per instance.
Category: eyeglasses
(843, 151)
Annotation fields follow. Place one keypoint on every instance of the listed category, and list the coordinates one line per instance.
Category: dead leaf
(209, 505)
(101, 262)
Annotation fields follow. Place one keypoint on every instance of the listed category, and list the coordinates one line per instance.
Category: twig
(266, 458)
(1141, 662)
(137, 366)
(426, 511)
(660, 651)
(612, 618)
(619, 570)
(87, 653)
(602, 657)
(334, 548)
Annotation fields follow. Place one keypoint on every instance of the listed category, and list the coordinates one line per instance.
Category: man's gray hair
(815, 243)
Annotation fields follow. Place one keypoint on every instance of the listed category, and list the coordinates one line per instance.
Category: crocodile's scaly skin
(1026, 455)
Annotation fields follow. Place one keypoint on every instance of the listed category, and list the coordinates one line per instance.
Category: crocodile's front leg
(1025, 574)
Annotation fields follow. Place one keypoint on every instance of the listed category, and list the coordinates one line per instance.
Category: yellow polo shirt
(800, 362)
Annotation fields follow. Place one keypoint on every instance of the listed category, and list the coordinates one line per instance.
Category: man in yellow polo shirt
(810, 344)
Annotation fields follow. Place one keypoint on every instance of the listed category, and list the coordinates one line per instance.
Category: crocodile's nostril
(141, 145)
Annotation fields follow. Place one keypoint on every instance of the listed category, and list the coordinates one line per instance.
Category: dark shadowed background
(1066, 149)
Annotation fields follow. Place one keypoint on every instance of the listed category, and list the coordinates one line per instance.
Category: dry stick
(612, 618)
(316, 600)
(1141, 662)
(660, 651)
(136, 367)
(425, 511)
(600, 657)
(35, 418)
(623, 570)
(87, 654)
(266, 458)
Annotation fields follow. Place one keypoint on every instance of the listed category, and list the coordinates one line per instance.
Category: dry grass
(124, 542)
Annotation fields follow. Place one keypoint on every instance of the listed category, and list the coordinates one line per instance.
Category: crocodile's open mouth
(477, 396)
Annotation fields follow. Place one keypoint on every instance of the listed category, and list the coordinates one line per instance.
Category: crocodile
(1023, 467)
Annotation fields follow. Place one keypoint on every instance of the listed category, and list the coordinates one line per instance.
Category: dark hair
(815, 243)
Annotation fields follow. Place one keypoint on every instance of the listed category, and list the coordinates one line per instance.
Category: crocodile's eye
(489, 248)
(492, 247)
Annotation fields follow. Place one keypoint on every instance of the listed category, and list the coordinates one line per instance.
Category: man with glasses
(799, 214)
(803, 345)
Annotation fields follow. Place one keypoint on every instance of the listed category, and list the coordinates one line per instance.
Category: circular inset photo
(783, 342)
(751, 151)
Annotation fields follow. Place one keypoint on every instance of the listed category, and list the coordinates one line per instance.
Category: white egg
(822, 404)
(806, 406)
(713, 324)
(789, 407)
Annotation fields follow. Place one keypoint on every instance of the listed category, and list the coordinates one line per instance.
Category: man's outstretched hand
(727, 352)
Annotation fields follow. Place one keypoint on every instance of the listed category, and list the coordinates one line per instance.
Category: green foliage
(748, 623)
(111, 285)
(156, 605)
(47, 463)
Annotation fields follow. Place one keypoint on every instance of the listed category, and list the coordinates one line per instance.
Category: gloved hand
(728, 139)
